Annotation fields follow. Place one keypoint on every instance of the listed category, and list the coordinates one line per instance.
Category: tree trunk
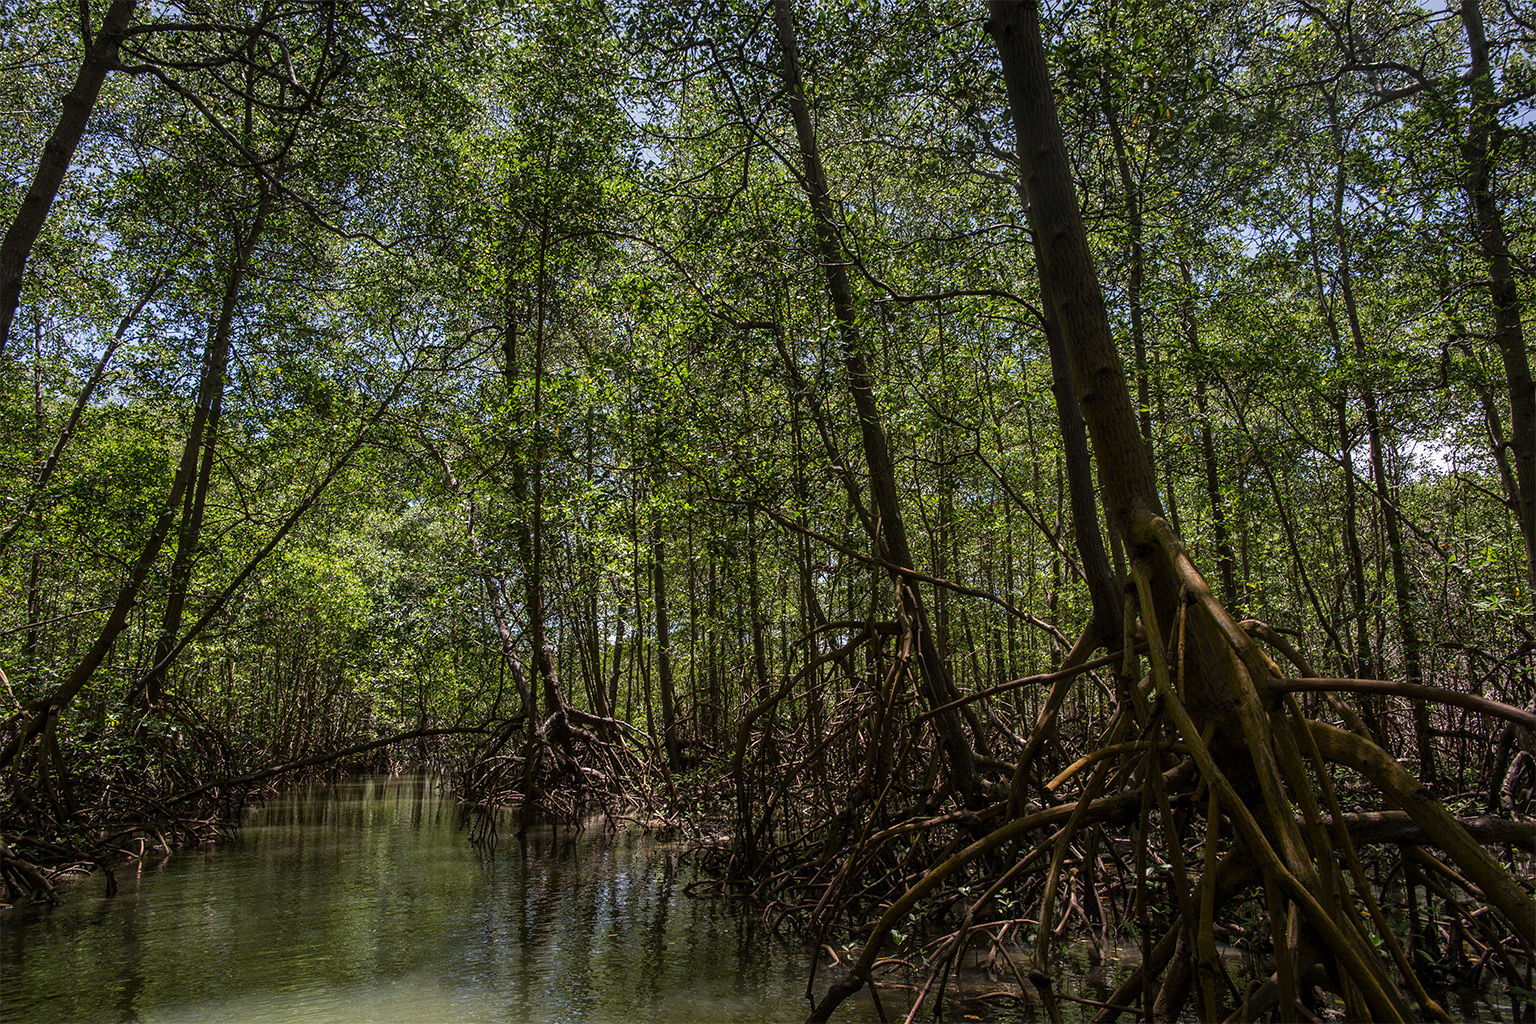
(1362, 665)
(1134, 286)
(755, 610)
(1402, 586)
(1364, 662)
(1508, 331)
(670, 738)
(1103, 586)
(211, 401)
(526, 471)
(532, 520)
(892, 537)
(1066, 268)
(1221, 671)
(99, 58)
(1225, 561)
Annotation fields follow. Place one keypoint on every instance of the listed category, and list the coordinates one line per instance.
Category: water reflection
(363, 902)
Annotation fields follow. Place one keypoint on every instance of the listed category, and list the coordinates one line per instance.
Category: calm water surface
(364, 903)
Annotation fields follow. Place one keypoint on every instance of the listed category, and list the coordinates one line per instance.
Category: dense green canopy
(374, 369)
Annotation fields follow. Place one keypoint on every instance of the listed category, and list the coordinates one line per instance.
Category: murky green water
(364, 903)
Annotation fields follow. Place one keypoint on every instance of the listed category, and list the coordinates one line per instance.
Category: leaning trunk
(100, 58)
(211, 403)
(938, 690)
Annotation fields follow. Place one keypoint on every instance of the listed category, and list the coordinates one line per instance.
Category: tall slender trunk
(527, 459)
(35, 572)
(1402, 586)
(100, 57)
(691, 560)
(1493, 239)
(1363, 663)
(1010, 587)
(755, 609)
(714, 686)
(1226, 563)
(533, 518)
(937, 688)
(938, 547)
(30, 648)
(594, 680)
(812, 615)
(1134, 282)
(189, 533)
(1066, 266)
(670, 738)
(1364, 666)
(1103, 587)
(1170, 493)
(618, 661)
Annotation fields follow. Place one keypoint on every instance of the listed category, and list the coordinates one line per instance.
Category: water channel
(364, 903)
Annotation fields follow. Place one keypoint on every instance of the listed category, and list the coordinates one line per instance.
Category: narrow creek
(363, 902)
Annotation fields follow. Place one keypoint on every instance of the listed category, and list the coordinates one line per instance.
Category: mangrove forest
(981, 480)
